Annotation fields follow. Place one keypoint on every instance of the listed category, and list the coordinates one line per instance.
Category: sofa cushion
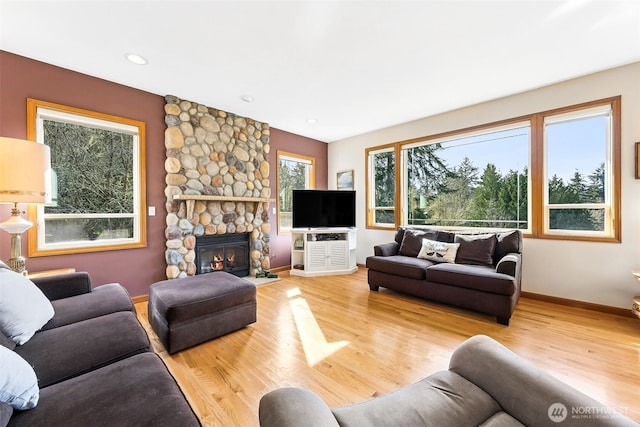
(23, 307)
(507, 242)
(442, 399)
(412, 241)
(105, 299)
(137, 391)
(438, 251)
(18, 382)
(476, 277)
(476, 249)
(399, 265)
(70, 350)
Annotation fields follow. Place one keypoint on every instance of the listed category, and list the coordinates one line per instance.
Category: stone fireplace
(217, 167)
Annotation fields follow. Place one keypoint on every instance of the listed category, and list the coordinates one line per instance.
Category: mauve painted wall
(136, 269)
(284, 141)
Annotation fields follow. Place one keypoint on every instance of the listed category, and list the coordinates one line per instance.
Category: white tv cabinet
(323, 251)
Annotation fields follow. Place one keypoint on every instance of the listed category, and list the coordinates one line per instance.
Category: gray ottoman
(189, 311)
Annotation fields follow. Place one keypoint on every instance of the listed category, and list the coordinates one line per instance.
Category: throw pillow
(438, 251)
(399, 234)
(508, 242)
(18, 381)
(23, 307)
(446, 236)
(412, 241)
(476, 249)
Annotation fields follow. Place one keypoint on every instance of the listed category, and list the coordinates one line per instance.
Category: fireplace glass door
(220, 254)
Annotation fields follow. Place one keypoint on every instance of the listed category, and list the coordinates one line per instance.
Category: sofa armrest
(386, 249)
(64, 285)
(509, 264)
(523, 390)
(292, 406)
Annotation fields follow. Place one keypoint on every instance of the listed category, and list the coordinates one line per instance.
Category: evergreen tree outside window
(476, 179)
(381, 191)
(295, 172)
(98, 170)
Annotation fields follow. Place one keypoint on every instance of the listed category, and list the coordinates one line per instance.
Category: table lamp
(25, 169)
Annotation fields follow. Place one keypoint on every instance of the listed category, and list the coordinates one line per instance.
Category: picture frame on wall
(345, 180)
(637, 160)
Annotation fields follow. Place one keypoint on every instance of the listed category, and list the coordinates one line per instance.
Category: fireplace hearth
(225, 252)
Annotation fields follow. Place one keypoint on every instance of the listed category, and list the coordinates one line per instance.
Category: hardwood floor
(335, 337)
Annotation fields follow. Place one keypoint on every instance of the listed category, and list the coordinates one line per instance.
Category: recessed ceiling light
(312, 121)
(136, 59)
(247, 98)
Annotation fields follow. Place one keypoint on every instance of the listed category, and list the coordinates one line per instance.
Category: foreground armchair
(486, 385)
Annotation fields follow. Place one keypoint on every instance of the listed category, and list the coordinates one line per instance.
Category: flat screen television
(324, 208)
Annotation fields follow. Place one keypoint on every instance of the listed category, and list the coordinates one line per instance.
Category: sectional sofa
(480, 272)
(74, 355)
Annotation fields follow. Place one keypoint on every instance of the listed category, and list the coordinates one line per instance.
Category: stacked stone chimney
(214, 153)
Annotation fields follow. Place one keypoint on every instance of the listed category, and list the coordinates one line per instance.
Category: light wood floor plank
(335, 337)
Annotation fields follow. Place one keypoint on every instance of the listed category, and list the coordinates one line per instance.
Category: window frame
(38, 110)
(501, 126)
(537, 185)
(613, 209)
(370, 188)
(301, 158)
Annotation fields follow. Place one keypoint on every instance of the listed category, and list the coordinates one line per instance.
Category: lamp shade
(25, 171)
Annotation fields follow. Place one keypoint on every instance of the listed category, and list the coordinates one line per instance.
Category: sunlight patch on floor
(314, 343)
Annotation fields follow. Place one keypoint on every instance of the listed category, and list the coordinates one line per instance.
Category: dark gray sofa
(485, 277)
(486, 385)
(94, 363)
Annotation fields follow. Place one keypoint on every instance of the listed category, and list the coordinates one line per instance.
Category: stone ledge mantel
(190, 200)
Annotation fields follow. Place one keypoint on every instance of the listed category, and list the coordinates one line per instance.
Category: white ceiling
(354, 66)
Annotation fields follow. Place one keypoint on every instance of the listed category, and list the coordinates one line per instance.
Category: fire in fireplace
(223, 252)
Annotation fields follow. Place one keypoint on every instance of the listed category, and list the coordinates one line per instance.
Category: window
(381, 187)
(295, 172)
(578, 184)
(473, 179)
(554, 174)
(98, 181)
